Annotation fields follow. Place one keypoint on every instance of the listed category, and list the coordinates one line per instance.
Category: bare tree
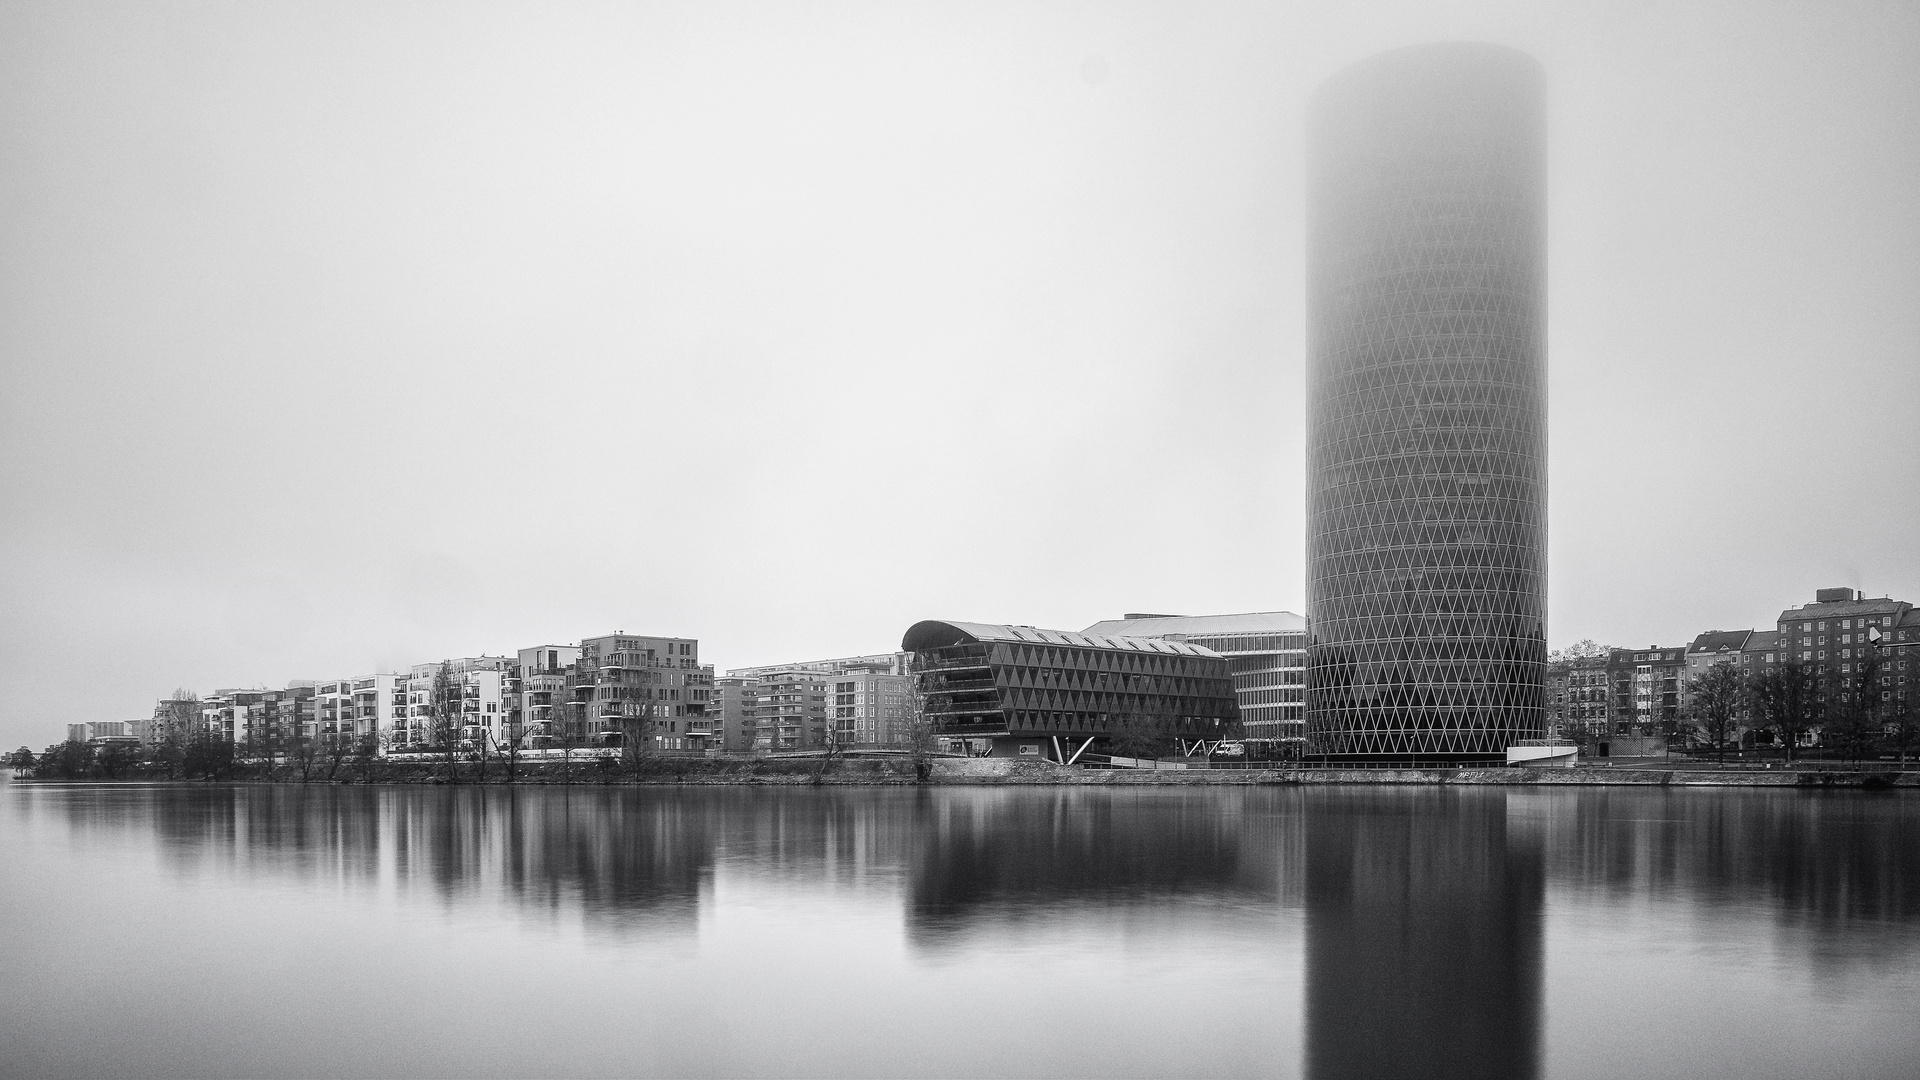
(1852, 708)
(443, 717)
(175, 721)
(304, 752)
(1585, 649)
(1787, 699)
(635, 742)
(919, 729)
(569, 736)
(833, 749)
(338, 747)
(1713, 702)
(514, 726)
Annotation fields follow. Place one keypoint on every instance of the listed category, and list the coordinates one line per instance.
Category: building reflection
(988, 857)
(1424, 916)
(614, 859)
(1821, 872)
(619, 860)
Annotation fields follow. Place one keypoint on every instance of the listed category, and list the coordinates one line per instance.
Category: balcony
(971, 681)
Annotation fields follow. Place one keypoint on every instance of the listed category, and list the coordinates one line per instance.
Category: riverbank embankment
(992, 771)
(859, 772)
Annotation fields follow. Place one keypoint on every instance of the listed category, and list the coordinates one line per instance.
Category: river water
(958, 931)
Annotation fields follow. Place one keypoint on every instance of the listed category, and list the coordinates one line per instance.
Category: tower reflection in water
(994, 861)
(1424, 926)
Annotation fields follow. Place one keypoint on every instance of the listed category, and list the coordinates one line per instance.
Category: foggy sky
(338, 338)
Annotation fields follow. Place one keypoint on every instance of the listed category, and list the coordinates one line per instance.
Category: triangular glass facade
(1427, 406)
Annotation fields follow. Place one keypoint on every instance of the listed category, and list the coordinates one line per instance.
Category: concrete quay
(1011, 771)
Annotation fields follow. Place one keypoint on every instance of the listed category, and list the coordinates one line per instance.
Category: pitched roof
(1761, 640)
(934, 633)
(1715, 640)
(1254, 622)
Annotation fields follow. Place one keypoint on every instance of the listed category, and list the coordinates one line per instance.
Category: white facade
(356, 710)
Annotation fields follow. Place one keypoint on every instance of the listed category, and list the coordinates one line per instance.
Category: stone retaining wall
(1015, 771)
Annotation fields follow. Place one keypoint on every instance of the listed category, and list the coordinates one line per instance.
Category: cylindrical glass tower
(1426, 505)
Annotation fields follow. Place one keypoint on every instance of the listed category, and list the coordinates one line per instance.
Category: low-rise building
(108, 732)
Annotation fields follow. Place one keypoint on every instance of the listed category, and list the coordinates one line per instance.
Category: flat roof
(1253, 622)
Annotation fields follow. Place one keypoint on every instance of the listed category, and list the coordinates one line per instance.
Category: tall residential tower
(1426, 546)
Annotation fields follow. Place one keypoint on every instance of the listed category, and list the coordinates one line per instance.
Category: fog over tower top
(1426, 405)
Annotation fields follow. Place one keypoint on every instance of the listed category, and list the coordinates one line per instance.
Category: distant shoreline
(1006, 772)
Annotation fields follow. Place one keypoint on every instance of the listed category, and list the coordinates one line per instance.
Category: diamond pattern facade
(1426, 582)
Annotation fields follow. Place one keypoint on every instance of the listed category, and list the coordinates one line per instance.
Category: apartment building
(736, 699)
(356, 711)
(1577, 696)
(539, 706)
(1832, 633)
(476, 710)
(791, 710)
(847, 701)
(637, 686)
(260, 719)
(1645, 687)
(887, 663)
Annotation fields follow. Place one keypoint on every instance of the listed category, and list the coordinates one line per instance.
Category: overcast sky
(338, 338)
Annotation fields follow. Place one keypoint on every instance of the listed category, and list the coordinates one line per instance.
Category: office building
(1017, 691)
(1267, 654)
(1426, 588)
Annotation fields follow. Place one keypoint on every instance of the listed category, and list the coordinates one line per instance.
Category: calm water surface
(1353, 932)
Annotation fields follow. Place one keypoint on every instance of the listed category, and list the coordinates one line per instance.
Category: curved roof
(934, 634)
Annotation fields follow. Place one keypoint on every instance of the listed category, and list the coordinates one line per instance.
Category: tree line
(1857, 714)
